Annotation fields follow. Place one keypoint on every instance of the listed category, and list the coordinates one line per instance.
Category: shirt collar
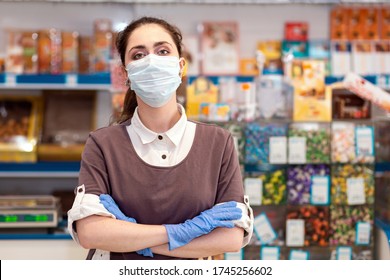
(147, 136)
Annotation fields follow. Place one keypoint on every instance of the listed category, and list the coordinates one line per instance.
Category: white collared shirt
(162, 149)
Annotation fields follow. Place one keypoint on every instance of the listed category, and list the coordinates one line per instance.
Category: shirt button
(160, 137)
(164, 156)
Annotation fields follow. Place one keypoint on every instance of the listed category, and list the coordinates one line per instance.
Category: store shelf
(58, 233)
(40, 170)
(98, 81)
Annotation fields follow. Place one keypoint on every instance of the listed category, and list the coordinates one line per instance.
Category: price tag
(254, 189)
(299, 255)
(355, 191)
(270, 253)
(10, 80)
(234, 255)
(297, 150)
(295, 232)
(320, 190)
(71, 80)
(363, 233)
(344, 253)
(364, 141)
(263, 229)
(277, 150)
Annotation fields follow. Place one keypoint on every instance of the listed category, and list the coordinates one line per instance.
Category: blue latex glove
(109, 203)
(221, 215)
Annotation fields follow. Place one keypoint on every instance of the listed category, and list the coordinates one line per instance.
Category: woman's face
(149, 39)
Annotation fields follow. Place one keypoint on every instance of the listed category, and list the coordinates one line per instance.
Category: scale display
(12, 218)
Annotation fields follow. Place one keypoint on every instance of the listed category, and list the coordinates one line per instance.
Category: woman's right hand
(221, 215)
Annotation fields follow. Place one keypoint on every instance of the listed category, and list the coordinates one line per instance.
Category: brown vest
(210, 174)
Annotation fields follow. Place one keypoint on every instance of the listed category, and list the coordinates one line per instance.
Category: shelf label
(71, 80)
(297, 150)
(254, 189)
(362, 233)
(295, 232)
(299, 255)
(270, 253)
(277, 149)
(263, 229)
(344, 253)
(320, 190)
(355, 191)
(364, 141)
(10, 80)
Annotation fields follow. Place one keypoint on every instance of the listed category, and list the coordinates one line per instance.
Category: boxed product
(29, 43)
(266, 188)
(308, 184)
(384, 23)
(84, 57)
(20, 121)
(220, 48)
(50, 51)
(248, 67)
(352, 142)
(272, 51)
(296, 31)
(70, 51)
(14, 59)
(307, 226)
(351, 225)
(320, 50)
(265, 143)
(352, 184)
(363, 57)
(244, 105)
(299, 49)
(274, 97)
(309, 143)
(347, 105)
(101, 55)
(370, 21)
(63, 134)
(200, 90)
(214, 112)
(356, 24)
(341, 61)
(312, 100)
(339, 22)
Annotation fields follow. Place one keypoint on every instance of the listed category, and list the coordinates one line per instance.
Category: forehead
(148, 34)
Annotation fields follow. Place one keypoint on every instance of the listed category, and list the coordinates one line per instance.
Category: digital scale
(29, 211)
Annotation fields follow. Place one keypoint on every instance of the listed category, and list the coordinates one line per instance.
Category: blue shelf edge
(37, 236)
(44, 166)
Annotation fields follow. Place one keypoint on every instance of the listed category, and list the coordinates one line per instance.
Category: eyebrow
(157, 44)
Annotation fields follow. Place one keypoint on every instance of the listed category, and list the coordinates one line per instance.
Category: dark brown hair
(130, 102)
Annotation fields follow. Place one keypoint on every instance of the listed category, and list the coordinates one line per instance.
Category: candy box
(315, 230)
(302, 181)
(385, 23)
(20, 121)
(70, 51)
(50, 51)
(84, 54)
(381, 57)
(296, 31)
(341, 61)
(351, 225)
(339, 22)
(363, 57)
(63, 134)
(352, 184)
(297, 48)
(265, 143)
(309, 143)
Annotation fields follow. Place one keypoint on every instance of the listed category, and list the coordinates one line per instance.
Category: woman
(160, 178)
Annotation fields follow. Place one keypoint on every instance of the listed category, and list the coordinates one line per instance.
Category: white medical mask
(154, 78)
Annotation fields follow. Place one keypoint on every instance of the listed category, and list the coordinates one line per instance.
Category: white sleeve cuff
(246, 221)
(85, 205)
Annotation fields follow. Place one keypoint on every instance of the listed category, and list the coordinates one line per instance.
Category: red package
(296, 31)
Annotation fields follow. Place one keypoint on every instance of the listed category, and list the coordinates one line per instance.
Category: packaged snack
(84, 57)
(347, 105)
(200, 90)
(296, 31)
(50, 51)
(339, 22)
(341, 61)
(70, 51)
(30, 52)
(14, 55)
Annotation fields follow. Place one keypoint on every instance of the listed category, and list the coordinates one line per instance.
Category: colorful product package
(339, 22)
(272, 51)
(312, 100)
(70, 51)
(14, 55)
(296, 31)
(347, 105)
(30, 52)
(84, 55)
(50, 51)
